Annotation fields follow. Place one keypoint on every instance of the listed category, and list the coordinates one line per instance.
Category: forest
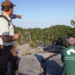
(55, 35)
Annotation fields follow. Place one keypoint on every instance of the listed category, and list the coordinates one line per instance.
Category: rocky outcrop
(59, 41)
(28, 36)
(39, 64)
(53, 48)
(30, 65)
(21, 40)
(21, 49)
(15, 44)
(53, 65)
(39, 43)
(27, 50)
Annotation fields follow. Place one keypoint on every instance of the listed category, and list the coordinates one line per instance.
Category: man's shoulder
(2, 20)
(63, 50)
(68, 48)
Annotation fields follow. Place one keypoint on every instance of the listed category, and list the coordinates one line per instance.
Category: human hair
(6, 8)
(70, 41)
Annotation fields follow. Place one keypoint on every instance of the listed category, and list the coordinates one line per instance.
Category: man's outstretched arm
(13, 16)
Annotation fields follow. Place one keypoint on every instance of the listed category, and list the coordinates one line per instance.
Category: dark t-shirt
(68, 59)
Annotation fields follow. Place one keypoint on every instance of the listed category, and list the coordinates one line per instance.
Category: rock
(31, 64)
(53, 65)
(47, 42)
(36, 51)
(15, 45)
(53, 48)
(46, 55)
(22, 41)
(27, 50)
(22, 49)
(39, 43)
(28, 36)
(59, 41)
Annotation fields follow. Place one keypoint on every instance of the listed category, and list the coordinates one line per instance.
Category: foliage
(73, 22)
(32, 44)
(47, 34)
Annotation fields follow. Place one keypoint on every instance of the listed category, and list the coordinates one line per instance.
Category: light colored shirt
(5, 29)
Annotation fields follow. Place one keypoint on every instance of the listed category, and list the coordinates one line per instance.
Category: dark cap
(7, 4)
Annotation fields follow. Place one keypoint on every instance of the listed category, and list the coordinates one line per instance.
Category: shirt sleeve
(4, 27)
(13, 16)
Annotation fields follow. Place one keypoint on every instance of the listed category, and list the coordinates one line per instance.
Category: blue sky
(43, 13)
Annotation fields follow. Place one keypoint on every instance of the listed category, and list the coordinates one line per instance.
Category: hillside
(55, 35)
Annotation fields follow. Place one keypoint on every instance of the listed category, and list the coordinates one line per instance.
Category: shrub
(32, 44)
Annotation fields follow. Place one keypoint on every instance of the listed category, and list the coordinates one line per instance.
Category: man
(68, 57)
(7, 38)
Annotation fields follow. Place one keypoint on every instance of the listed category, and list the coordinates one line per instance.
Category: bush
(32, 44)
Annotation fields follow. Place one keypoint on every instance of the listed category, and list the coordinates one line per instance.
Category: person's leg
(4, 58)
(14, 62)
(3, 71)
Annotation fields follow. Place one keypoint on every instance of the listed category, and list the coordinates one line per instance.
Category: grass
(26, 53)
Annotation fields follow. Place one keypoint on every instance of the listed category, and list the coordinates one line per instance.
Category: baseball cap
(7, 4)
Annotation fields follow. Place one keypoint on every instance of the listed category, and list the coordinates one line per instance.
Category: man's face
(11, 11)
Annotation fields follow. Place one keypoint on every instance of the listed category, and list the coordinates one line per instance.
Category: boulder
(22, 41)
(31, 64)
(53, 65)
(22, 49)
(27, 50)
(39, 43)
(36, 51)
(28, 36)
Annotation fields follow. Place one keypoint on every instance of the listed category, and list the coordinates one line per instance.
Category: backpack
(2, 15)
